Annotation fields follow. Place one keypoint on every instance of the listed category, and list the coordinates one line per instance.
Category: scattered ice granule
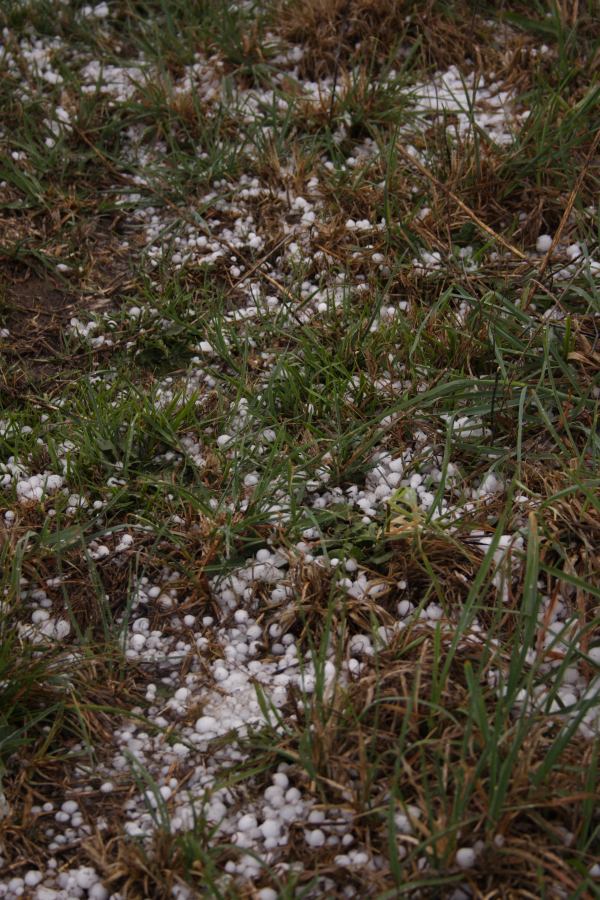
(473, 103)
(33, 877)
(270, 828)
(428, 261)
(117, 81)
(206, 725)
(100, 11)
(125, 543)
(137, 642)
(543, 243)
(36, 487)
(83, 330)
(75, 502)
(315, 838)
(489, 486)
(465, 857)
(51, 76)
(86, 877)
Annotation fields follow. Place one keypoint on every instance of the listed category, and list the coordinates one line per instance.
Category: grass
(124, 362)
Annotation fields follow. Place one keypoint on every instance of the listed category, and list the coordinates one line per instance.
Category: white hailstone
(46, 893)
(263, 556)
(315, 838)
(434, 612)
(223, 440)
(543, 243)
(293, 795)
(180, 750)
(70, 806)
(137, 642)
(39, 615)
(62, 629)
(33, 877)
(568, 698)
(491, 484)
(98, 892)
(267, 894)
(465, 858)
(316, 816)
(206, 724)
(270, 828)
(51, 77)
(86, 877)
(571, 675)
(247, 822)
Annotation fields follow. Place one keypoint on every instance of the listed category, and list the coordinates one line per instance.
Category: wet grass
(435, 745)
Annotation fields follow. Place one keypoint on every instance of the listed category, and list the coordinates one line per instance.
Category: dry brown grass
(341, 31)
